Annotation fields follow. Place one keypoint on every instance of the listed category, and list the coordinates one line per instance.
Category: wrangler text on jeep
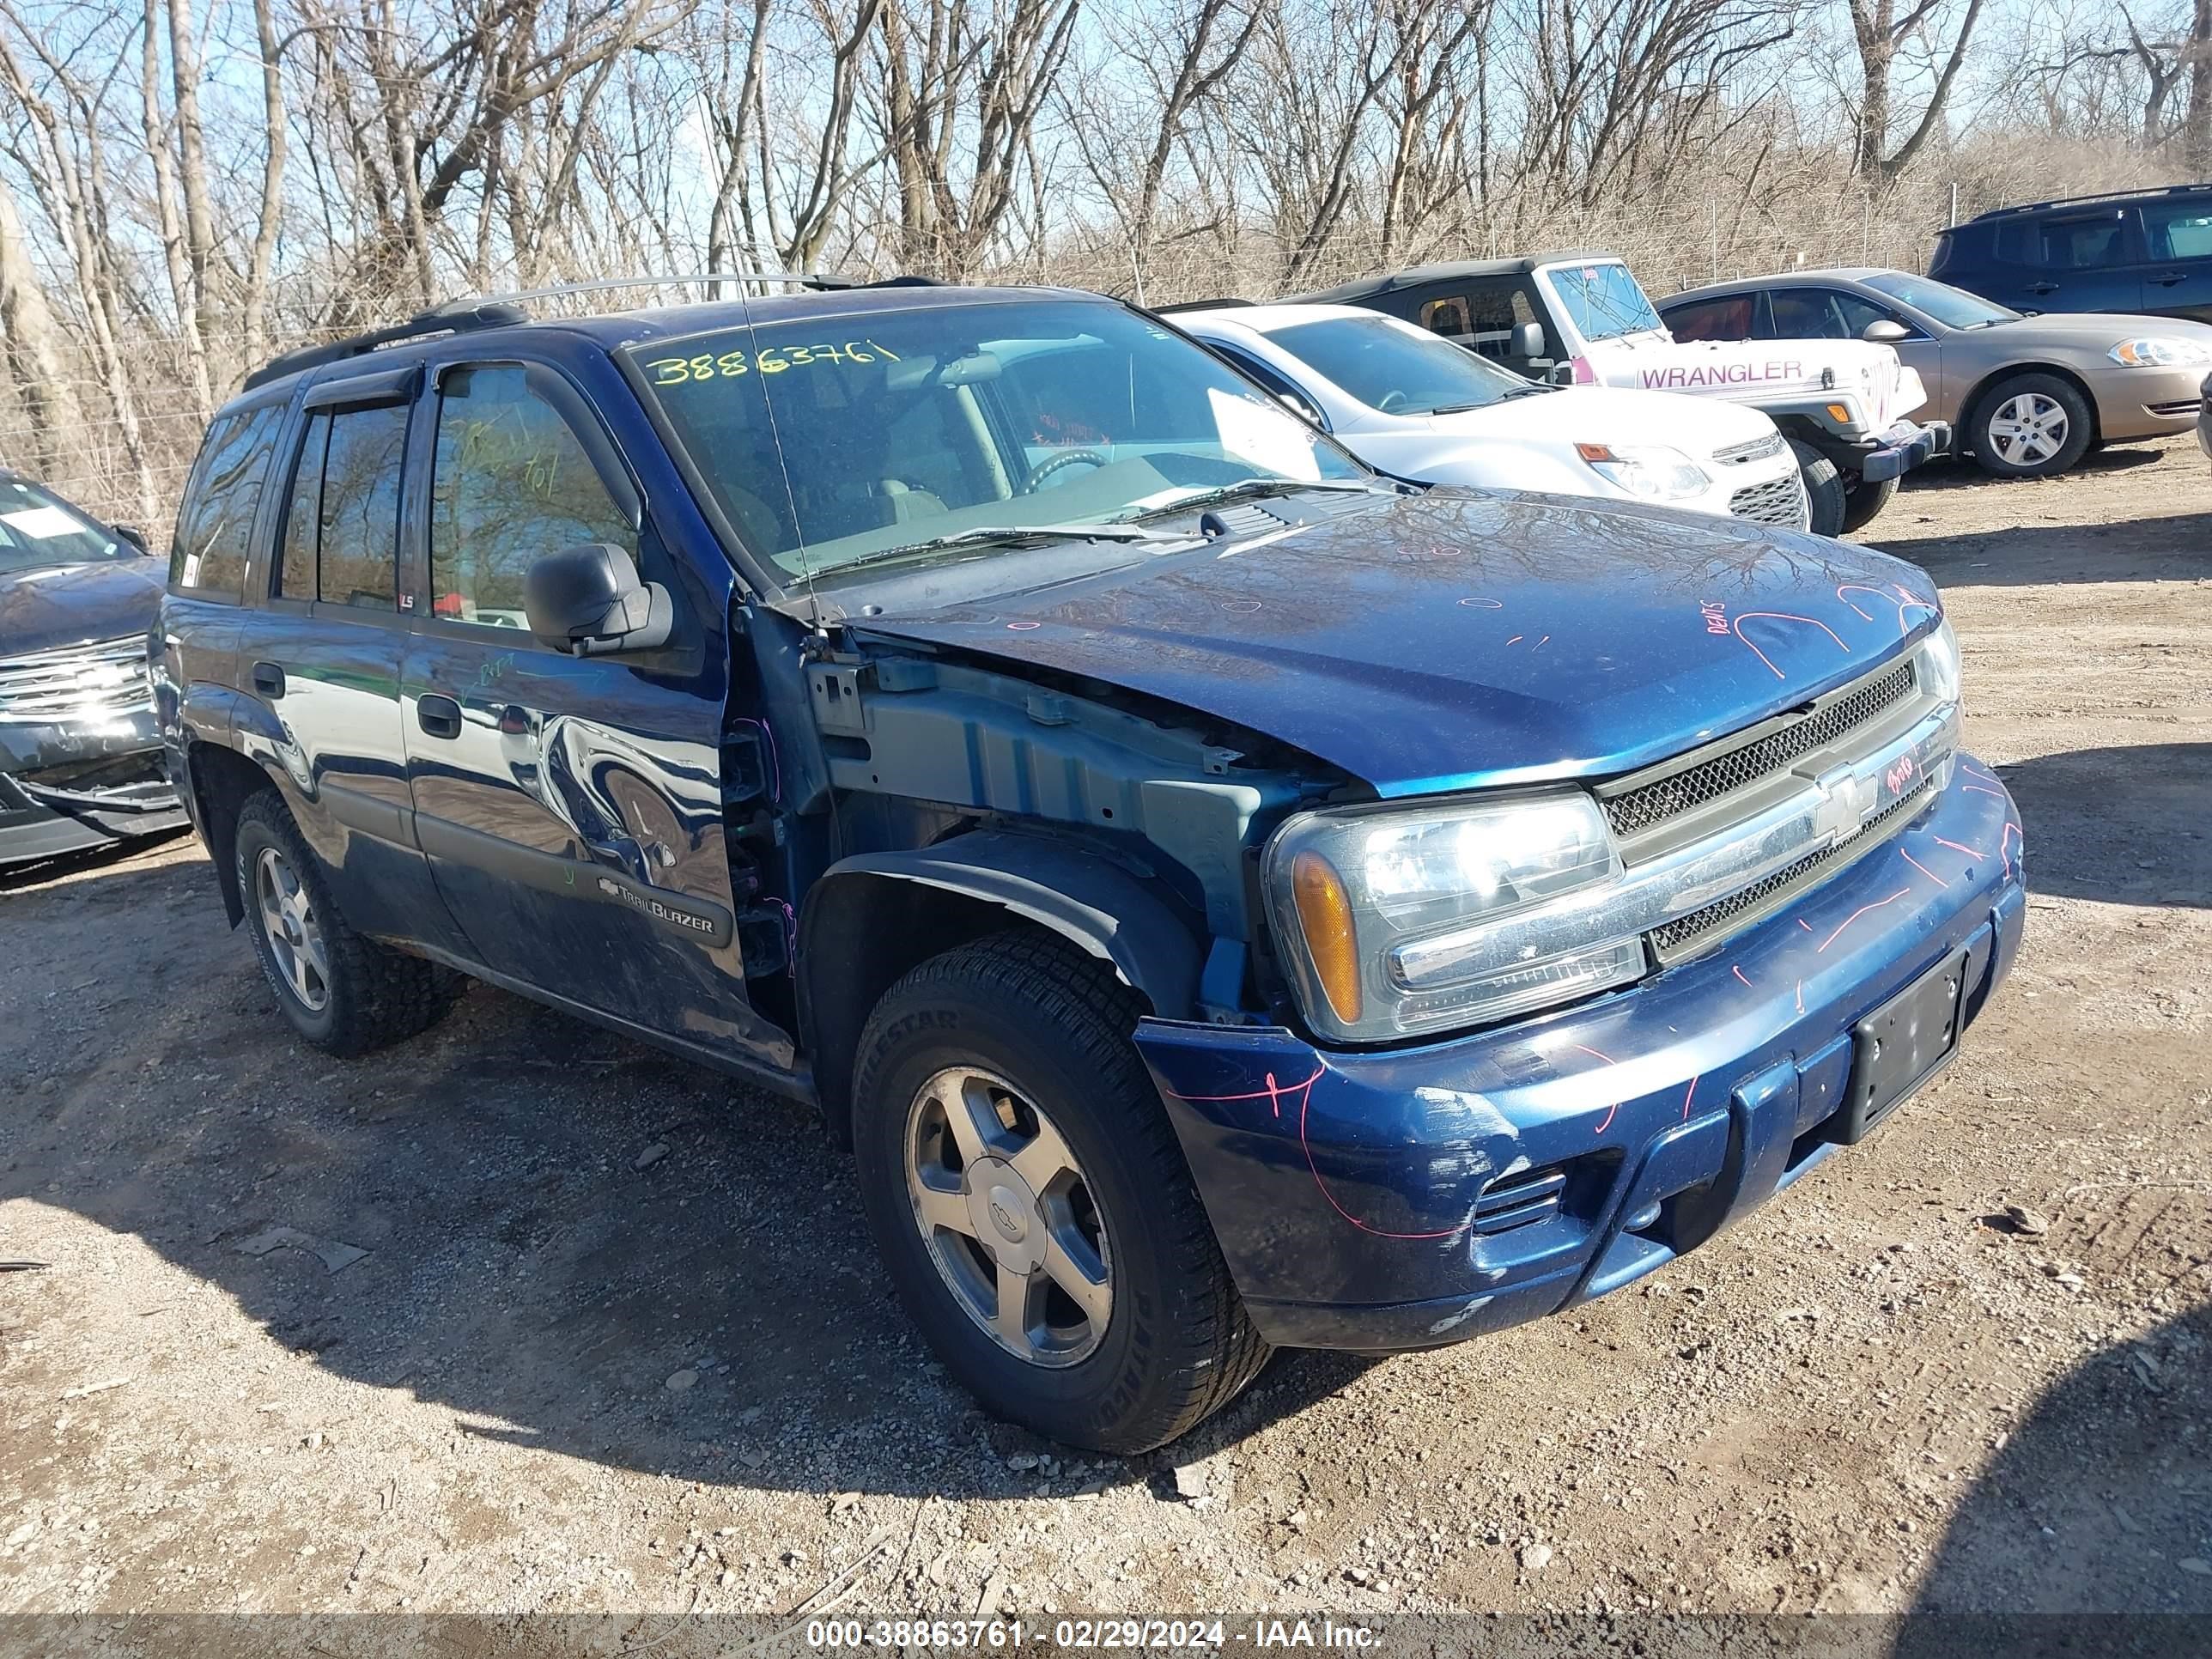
(1222, 898)
(1842, 404)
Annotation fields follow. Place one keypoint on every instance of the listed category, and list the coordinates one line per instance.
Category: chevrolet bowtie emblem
(1846, 802)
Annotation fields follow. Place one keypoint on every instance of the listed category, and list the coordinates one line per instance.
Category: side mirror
(1883, 332)
(131, 533)
(589, 602)
(1528, 340)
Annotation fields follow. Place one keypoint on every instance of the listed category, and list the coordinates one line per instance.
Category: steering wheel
(1052, 463)
(1391, 399)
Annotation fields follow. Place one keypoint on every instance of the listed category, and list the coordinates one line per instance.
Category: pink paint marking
(1960, 847)
(1517, 639)
(1022, 627)
(1539, 644)
(1977, 789)
(1806, 925)
(1922, 868)
(1688, 1094)
(1242, 607)
(1472, 603)
(1738, 972)
(1801, 996)
(1843, 588)
(1615, 1107)
(1271, 1092)
(1903, 603)
(1855, 915)
(1736, 627)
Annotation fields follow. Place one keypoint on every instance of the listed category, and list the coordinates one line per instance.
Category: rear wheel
(343, 994)
(1824, 489)
(2030, 426)
(1032, 1205)
(1864, 500)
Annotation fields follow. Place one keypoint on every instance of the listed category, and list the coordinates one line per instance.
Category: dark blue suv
(2141, 251)
(1223, 898)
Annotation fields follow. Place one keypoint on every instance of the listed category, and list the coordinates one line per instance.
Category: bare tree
(1882, 34)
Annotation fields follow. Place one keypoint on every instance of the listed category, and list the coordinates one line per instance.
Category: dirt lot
(521, 1318)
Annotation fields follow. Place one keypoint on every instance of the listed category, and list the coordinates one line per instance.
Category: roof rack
(1199, 305)
(477, 311)
(2089, 201)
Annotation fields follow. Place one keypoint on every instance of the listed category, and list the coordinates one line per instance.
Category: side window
(1857, 313)
(1495, 307)
(2179, 230)
(2089, 242)
(1725, 318)
(510, 481)
(1448, 318)
(295, 571)
(1805, 314)
(214, 532)
(358, 523)
(2016, 243)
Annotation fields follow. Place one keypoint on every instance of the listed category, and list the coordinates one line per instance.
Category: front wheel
(1864, 500)
(2030, 426)
(1028, 1197)
(1824, 489)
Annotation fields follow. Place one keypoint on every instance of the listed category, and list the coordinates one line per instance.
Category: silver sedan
(2028, 395)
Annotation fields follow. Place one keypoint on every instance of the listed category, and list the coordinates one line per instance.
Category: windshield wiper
(1004, 535)
(1250, 489)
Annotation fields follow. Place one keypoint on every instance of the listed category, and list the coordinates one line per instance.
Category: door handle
(2168, 278)
(2042, 287)
(269, 680)
(439, 716)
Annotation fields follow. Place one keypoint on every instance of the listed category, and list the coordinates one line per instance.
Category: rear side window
(296, 569)
(511, 481)
(2089, 243)
(357, 524)
(1726, 319)
(215, 531)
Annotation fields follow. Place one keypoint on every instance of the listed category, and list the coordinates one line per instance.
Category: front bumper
(2204, 416)
(1906, 445)
(1402, 1199)
(69, 787)
(2147, 403)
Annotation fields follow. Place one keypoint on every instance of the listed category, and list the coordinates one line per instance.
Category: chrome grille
(1685, 933)
(1778, 501)
(106, 679)
(1653, 804)
(1757, 449)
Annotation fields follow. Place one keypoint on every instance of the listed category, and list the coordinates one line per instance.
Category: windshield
(1952, 307)
(1397, 369)
(1603, 300)
(38, 529)
(951, 432)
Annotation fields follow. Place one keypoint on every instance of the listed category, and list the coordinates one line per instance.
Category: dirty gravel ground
(572, 1372)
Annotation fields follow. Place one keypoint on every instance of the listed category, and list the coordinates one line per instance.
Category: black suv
(2146, 251)
(1223, 898)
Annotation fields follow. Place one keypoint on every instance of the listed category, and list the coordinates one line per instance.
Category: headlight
(1650, 472)
(1939, 663)
(1367, 903)
(2160, 351)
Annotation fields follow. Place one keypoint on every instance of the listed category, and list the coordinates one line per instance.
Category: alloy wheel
(295, 937)
(2028, 429)
(1008, 1216)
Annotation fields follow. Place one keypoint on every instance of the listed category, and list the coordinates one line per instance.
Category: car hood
(50, 606)
(1466, 637)
(1610, 415)
(2089, 331)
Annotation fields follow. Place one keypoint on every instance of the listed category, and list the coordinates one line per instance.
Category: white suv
(1412, 405)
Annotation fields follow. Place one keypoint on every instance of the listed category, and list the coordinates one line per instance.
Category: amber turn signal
(1325, 914)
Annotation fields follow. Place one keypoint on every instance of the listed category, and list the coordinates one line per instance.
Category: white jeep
(1582, 317)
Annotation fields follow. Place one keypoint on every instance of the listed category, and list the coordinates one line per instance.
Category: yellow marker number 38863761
(769, 359)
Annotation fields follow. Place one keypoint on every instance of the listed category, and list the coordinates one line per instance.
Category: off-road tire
(2080, 425)
(1864, 501)
(377, 995)
(1056, 1023)
(1824, 489)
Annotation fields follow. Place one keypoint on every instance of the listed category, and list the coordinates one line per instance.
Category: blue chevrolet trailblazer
(1223, 897)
